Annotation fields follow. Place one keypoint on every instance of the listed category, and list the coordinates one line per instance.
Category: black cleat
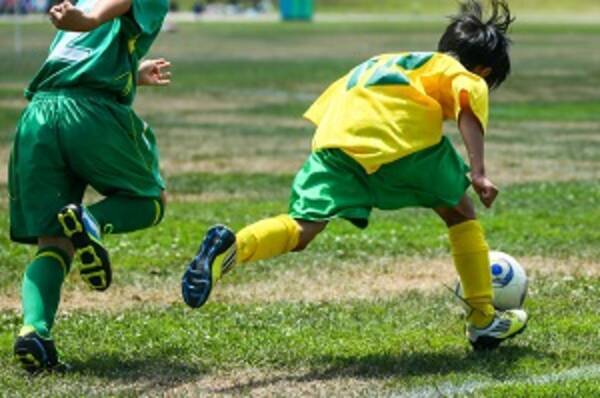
(36, 354)
(216, 256)
(84, 233)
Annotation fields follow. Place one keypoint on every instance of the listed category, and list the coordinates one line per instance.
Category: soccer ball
(508, 280)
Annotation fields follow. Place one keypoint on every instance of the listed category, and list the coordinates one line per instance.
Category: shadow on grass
(143, 374)
(407, 364)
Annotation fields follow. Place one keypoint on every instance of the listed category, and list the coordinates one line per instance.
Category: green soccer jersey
(107, 57)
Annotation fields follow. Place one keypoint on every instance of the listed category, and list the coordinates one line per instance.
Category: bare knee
(61, 243)
(463, 212)
(308, 231)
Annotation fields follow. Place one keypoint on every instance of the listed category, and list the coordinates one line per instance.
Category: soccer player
(79, 129)
(379, 143)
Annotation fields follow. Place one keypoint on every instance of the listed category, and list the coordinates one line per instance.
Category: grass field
(360, 313)
(531, 7)
(436, 6)
(429, 6)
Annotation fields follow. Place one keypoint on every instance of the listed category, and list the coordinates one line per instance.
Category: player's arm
(66, 16)
(472, 134)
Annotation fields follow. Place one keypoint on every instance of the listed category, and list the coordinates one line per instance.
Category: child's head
(482, 47)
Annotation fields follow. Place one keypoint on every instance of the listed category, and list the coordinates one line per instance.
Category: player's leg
(123, 165)
(436, 178)
(329, 185)
(275, 236)
(121, 214)
(115, 152)
(40, 179)
(40, 293)
(486, 328)
(222, 249)
(40, 184)
(470, 252)
(308, 232)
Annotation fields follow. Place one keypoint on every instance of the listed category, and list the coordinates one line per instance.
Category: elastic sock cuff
(63, 258)
(293, 231)
(467, 238)
(465, 227)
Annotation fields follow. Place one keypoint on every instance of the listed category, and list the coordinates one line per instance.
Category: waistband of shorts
(73, 92)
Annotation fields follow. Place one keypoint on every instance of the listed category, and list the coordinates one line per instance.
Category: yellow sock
(267, 238)
(470, 252)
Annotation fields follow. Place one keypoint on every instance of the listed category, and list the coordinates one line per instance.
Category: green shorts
(331, 184)
(67, 140)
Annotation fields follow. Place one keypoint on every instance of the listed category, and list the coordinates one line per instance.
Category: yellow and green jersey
(107, 57)
(393, 105)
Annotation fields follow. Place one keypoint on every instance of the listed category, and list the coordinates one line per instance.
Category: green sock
(119, 214)
(40, 293)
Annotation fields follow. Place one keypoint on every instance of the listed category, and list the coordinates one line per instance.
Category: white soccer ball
(508, 280)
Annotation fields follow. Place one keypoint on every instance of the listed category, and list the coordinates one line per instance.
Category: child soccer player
(79, 130)
(379, 143)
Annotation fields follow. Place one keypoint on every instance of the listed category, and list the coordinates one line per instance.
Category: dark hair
(478, 43)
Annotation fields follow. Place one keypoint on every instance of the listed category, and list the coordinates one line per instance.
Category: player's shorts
(333, 185)
(67, 140)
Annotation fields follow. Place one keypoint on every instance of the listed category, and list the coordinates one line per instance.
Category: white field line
(451, 390)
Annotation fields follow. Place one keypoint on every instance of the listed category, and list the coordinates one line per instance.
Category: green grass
(548, 220)
(557, 112)
(231, 138)
(384, 340)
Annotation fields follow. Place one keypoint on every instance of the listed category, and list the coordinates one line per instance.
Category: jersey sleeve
(477, 94)
(149, 14)
(318, 109)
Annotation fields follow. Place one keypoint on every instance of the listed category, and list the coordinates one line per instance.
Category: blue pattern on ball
(496, 269)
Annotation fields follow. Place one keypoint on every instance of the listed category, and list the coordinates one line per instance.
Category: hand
(65, 16)
(486, 190)
(154, 72)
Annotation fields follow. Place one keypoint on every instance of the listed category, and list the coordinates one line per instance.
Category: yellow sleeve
(318, 109)
(477, 91)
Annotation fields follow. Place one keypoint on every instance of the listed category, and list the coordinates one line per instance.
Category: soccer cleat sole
(32, 366)
(486, 343)
(194, 294)
(197, 281)
(95, 269)
(28, 361)
(24, 355)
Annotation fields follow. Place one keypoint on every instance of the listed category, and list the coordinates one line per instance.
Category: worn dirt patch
(147, 103)
(215, 197)
(522, 169)
(248, 120)
(386, 278)
(11, 86)
(261, 383)
(14, 104)
(249, 164)
(77, 297)
(4, 156)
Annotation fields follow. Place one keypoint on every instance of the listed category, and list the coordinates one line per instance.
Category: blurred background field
(448, 6)
(361, 312)
(428, 7)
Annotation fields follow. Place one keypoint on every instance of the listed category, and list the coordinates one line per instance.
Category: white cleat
(505, 325)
